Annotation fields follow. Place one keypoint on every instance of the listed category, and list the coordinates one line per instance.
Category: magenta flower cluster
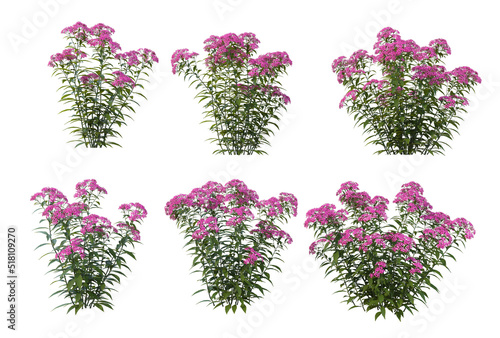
(379, 269)
(384, 263)
(74, 247)
(239, 49)
(368, 216)
(253, 256)
(229, 48)
(232, 206)
(390, 53)
(58, 211)
(100, 38)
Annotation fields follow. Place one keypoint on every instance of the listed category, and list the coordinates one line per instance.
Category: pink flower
(253, 256)
(465, 74)
(351, 94)
(417, 265)
(88, 186)
(97, 224)
(180, 54)
(379, 269)
(325, 214)
(121, 80)
(271, 231)
(134, 211)
(74, 247)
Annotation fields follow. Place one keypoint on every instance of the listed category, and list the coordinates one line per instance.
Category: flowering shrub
(99, 82)
(242, 92)
(234, 238)
(380, 264)
(417, 102)
(87, 251)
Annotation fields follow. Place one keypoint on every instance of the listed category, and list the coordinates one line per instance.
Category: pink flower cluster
(380, 84)
(272, 90)
(121, 80)
(435, 75)
(137, 57)
(100, 33)
(97, 224)
(272, 206)
(74, 247)
(58, 208)
(379, 269)
(239, 215)
(466, 226)
(268, 63)
(84, 79)
(417, 265)
(411, 197)
(50, 195)
(136, 234)
(253, 256)
(441, 234)
(402, 242)
(229, 48)
(134, 211)
(204, 223)
(78, 30)
(451, 101)
(312, 247)
(234, 199)
(465, 74)
(180, 54)
(346, 68)
(372, 208)
(324, 215)
(85, 187)
(350, 95)
(67, 54)
(271, 231)
(391, 52)
(376, 238)
(100, 36)
(231, 205)
(350, 234)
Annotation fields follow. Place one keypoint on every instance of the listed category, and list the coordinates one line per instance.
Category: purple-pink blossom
(325, 214)
(350, 95)
(88, 186)
(379, 269)
(97, 224)
(134, 211)
(417, 265)
(74, 247)
(67, 54)
(178, 55)
(121, 80)
(271, 231)
(253, 256)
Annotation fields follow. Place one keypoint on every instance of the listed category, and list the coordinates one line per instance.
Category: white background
(164, 153)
